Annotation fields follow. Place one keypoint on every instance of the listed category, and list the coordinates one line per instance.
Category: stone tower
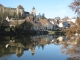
(33, 12)
(20, 10)
(1, 8)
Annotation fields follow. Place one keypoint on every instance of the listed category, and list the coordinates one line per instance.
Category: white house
(66, 25)
(71, 20)
(60, 25)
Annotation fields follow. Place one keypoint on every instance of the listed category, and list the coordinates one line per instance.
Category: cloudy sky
(51, 8)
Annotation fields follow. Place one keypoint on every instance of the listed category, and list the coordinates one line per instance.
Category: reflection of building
(61, 38)
(19, 51)
(32, 50)
(19, 45)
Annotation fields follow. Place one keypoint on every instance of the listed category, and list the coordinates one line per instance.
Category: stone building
(19, 10)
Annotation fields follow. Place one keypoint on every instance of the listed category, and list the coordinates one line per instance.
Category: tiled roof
(29, 18)
(26, 12)
(43, 21)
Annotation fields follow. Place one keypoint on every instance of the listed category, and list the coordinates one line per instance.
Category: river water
(41, 47)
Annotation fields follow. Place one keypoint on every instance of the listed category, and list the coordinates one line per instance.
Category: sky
(51, 8)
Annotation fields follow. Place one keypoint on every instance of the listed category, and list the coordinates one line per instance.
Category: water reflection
(72, 48)
(11, 45)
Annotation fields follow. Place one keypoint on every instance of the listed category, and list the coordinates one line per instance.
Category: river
(40, 47)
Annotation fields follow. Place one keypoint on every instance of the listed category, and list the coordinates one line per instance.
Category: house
(54, 23)
(23, 24)
(60, 24)
(64, 24)
(36, 26)
(72, 20)
(46, 24)
(42, 24)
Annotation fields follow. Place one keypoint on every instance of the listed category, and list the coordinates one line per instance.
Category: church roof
(33, 8)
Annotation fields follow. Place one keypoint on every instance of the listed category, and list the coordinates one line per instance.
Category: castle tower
(1, 8)
(33, 12)
(20, 10)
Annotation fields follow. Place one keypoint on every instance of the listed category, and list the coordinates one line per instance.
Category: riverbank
(29, 32)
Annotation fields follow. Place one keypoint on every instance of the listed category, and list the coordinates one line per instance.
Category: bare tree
(72, 46)
(75, 6)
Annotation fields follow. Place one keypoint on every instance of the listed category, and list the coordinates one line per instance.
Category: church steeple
(32, 50)
(33, 7)
(33, 12)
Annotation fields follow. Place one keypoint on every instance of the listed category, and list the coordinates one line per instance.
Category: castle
(18, 11)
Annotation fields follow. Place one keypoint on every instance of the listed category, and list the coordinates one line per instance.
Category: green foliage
(39, 16)
(24, 26)
(43, 16)
(7, 29)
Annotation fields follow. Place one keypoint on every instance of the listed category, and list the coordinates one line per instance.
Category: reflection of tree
(42, 47)
(23, 40)
(3, 42)
(72, 48)
(5, 54)
(24, 26)
(73, 45)
(4, 51)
